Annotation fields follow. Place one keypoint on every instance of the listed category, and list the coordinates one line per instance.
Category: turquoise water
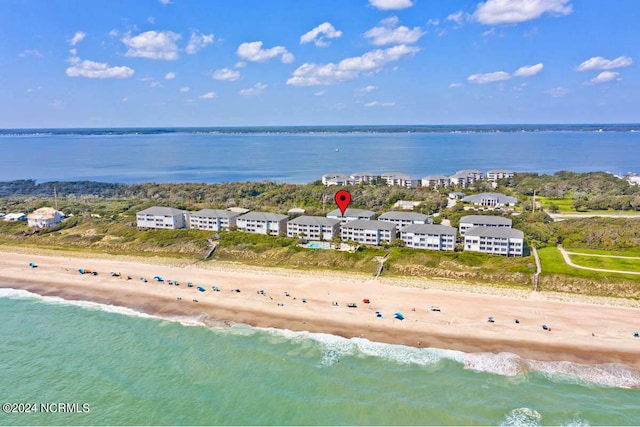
(137, 369)
(318, 246)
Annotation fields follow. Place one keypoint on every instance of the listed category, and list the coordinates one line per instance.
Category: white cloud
(434, 22)
(257, 89)
(453, 85)
(114, 33)
(310, 74)
(30, 52)
(528, 70)
(319, 34)
(496, 12)
(226, 74)
(490, 32)
(600, 63)
(153, 45)
(319, 93)
(387, 33)
(55, 104)
(254, 52)
(165, 2)
(557, 92)
(240, 64)
(125, 99)
(391, 4)
(363, 90)
(198, 41)
(170, 76)
(485, 78)
(605, 77)
(184, 89)
(208, 95)
(77, 38)
(155, 84)
(151, 20)
(457, 18)
(379, 104)
(96, 70)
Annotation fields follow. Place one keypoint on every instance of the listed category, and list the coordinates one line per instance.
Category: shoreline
(460, 325)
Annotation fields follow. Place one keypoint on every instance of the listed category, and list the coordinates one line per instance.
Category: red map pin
(342, 198)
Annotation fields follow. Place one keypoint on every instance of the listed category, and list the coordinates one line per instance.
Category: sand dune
(580, 332)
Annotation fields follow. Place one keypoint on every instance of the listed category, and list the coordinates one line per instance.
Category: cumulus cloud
(311, 74)
(96, 70)
(319, 34)
(600, 63)
(391, 4)
(198, 41)
(363, 90)
(485, 78)
(496, 12)
(500, 76)
(457, 18)
(388, 33)
(208, 95)
(379, 104)
(253, 51)
(184, 89)
(153, 45)
(454, 85)
(557, 92)
(605, 77)
(170, 76)
(528, 70)
(257, 89)
(77, 38)
(226, 74)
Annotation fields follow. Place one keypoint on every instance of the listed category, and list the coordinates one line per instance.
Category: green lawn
(607, 263)
(553, 263)
(564, 205)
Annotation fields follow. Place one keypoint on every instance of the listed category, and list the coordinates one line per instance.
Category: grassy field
(623, 264)
(630, 253)
(553, 263)
(565, 205)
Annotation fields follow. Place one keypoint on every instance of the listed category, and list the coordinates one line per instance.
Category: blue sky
(112, 63)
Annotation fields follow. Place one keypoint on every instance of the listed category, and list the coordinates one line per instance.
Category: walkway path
(565, 255)
(604, 256)
(536, 275)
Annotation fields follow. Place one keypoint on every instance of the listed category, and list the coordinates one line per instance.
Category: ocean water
(130, 368)
(301, 155)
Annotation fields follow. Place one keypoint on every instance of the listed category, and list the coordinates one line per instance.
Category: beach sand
(581, 331)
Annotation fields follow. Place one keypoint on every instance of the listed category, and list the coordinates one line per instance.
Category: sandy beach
(580, 331)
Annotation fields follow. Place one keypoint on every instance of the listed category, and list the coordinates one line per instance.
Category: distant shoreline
(332, 129)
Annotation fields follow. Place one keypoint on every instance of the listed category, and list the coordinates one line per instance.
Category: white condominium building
(491, 240)
(429, 236)
(351, 214)
(313, 227)
(213, 219)
(402, 219)
(162, 217)
(369, 232)
(262, 223)
(470, 221)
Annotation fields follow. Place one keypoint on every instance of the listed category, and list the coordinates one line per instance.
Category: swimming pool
(319, 245)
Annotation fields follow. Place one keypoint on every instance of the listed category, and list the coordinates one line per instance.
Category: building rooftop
(500, 171)
(486, 219)
(365, 224)
(215, 213)
(435, 177)
(350, 212)
(501, 198)
(45, 212)
(429, 229)
(362, 174)
(314, 220)
(238, 210)
(162, 210)
(407, 216)
(262, 216)
(507, 233)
